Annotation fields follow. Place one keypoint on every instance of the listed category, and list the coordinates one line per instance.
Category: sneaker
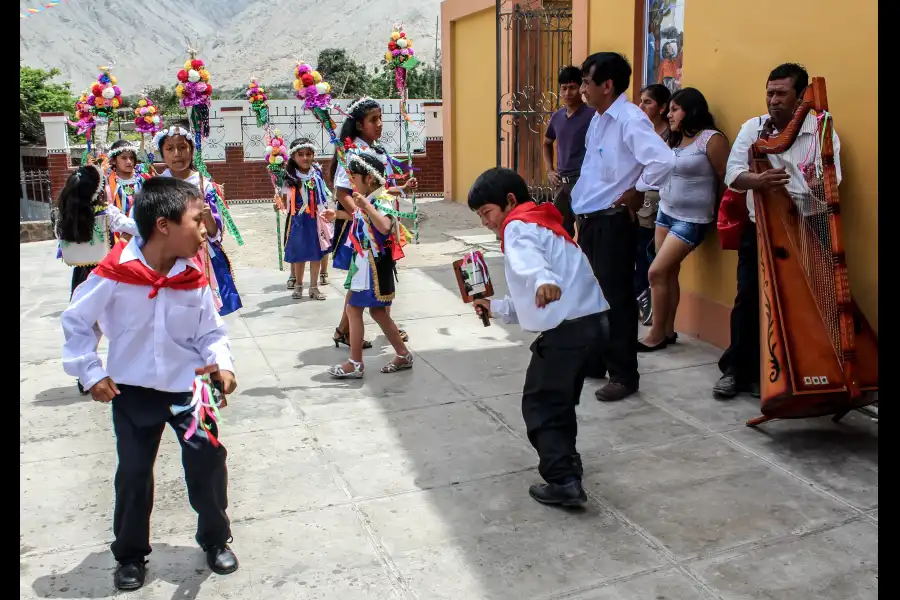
(555, 494)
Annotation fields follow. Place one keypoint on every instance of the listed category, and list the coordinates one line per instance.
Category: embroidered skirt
(380, 288)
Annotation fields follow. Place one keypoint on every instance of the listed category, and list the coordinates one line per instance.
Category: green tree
(37, 94)
(347, 77)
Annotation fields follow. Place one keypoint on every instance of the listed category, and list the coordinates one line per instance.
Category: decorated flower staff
(104, 99)
(84, 123)
(258, 103)
(401, 57)
(195, 94)
(147, 121)
(276, 157)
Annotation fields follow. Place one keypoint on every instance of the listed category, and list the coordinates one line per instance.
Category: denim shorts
(689, 233)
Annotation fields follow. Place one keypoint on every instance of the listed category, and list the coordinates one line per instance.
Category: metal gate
(534, 41)
(35, 201)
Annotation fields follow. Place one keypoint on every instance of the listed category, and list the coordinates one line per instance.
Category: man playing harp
(795, 169)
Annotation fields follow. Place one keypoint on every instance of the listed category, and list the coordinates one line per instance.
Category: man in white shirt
(163, 331)
(624, 157)
(552, 292)
(794, 169)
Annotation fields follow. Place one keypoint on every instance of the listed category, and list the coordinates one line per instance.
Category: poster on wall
(664, 42)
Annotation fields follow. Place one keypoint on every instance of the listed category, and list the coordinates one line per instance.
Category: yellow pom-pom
(317, 77)
(204, 75)
(142, 102)
(187, 65)
(151, 110)
(179, 90)
(395, 36)
(113, 80)
(297, 84)
(115, 103)
(388, 56)
(148, 119)
(409, 43)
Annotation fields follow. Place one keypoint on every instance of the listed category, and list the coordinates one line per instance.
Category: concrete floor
(414, 485)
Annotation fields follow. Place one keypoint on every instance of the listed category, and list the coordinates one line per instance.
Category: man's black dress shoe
(130, 576)
(221, 559)
(555, 494)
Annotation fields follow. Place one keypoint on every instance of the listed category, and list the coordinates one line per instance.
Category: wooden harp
(819, 356)
(473, 279)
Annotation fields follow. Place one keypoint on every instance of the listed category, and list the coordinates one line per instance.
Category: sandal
(323, 278)
(403, 335)
(338, 372)
(393, 367)
(298, 292)
(343, 338)
(291, 282)
(315, 294)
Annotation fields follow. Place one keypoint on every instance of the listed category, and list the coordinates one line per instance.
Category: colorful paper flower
(105, 95)
(311, 87)
(193, 87)
(147, 118)
(84, 116)
(258, 102)
(400, 50)
(276, 152)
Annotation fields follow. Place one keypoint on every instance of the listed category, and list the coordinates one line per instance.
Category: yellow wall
(728, 60)
(474, 106)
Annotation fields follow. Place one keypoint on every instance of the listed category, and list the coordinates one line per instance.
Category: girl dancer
(124, 179)
(176, 148)
(363, 125)
(86, 224)
(372, 266)
(306, 197)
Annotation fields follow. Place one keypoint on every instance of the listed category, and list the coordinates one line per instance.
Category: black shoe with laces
(556, 494)
(130, 576)
(726, 387)
(221, 559)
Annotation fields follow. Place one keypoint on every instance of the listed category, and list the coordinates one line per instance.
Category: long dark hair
(696, 115)
(76, 205)
(350, 128)
(660, 94)
(292, 165)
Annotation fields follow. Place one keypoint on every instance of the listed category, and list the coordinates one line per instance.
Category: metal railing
(35, 200)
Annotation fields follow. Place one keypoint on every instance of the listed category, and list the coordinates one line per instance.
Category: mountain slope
(237, 38)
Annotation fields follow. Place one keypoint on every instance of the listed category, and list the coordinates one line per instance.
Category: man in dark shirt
(568, 127)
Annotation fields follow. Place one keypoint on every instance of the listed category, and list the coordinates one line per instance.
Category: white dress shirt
(622, 151)
(536, 256)
(119, 222)
(789, 160)
(155, 343)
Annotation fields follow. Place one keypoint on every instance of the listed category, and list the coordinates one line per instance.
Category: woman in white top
(687, 205)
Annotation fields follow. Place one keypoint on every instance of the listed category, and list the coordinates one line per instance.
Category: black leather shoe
(130, 576)
(753, 390)
(614, 391)
(643, 348)
(726, 387)
(221, 559)
(555, 494)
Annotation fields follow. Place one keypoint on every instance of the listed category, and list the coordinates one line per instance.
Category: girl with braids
(305, 199)
(176, 148)
(86, 224)
(371, 281)
(363, 127)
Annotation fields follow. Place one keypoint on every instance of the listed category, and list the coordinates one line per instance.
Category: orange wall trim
(704, 319)
(580, 45)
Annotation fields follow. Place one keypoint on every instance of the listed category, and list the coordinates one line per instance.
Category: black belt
(612, 210)
(569, 178)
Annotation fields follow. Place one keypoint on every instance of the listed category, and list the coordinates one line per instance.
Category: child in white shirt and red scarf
(156, 309)
(552, 292)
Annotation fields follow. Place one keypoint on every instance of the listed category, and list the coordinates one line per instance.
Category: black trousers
(79, 275)
(139, 417)
(562, 199)
(609, 241)
(559, 363)
(644, 250)
(741, 359)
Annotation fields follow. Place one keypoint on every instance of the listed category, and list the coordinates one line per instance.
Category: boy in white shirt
(553, 292)
(162, 332)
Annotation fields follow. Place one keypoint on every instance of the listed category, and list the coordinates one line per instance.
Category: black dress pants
(741, 359)
(609, 240)
(562, 199)
(139, 417)
(553, 384)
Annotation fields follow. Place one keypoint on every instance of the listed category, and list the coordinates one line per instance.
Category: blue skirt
(302, 244)
(367, 299)
(231, 300)
(342, 253)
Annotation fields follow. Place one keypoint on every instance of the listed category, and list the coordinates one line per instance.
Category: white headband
(353, 106)
(301, 146)
(123, 148)
(355, 158)
(173, 130)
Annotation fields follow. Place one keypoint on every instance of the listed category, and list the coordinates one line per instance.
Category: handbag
(733, 217)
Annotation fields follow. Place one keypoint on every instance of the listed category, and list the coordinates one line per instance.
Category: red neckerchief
(135, 272)
(545, 215)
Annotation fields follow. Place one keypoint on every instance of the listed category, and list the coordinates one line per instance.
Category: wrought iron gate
(534, 41)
